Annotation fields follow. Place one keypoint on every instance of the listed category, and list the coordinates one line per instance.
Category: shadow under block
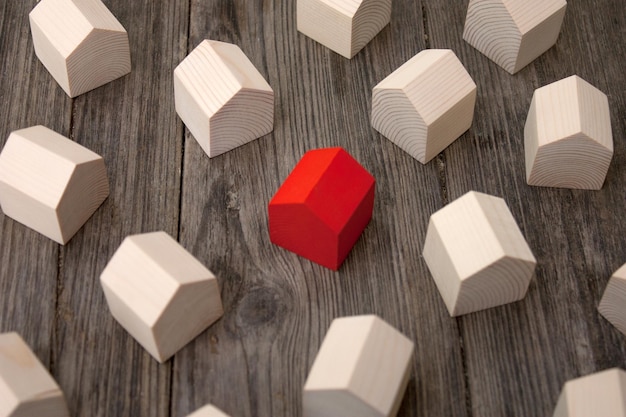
(567, 138)
(80, 43)
(426, 104)
(26, 387)
(50, 183)
(602, 394)
(160, 293)
(477, 255)
(362, 369)
(512, 33)
(322, 207)
(222, 98)
(344, 26)
(208, 411)
(613, 303)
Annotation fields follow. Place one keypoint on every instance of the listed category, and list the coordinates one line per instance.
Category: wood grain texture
(26, 387)
(426, 104)
(597, 395)
(512, 360)
(222, 98)
(80, 42)
(477, 255)
(28, 260)
(362, 368)
(513, 33)
(576, 236)
(567, 137)
(344, 26)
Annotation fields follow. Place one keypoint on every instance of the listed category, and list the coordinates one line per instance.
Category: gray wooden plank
(253, 362)
(132, 123)
(28, 260)
(518, 356)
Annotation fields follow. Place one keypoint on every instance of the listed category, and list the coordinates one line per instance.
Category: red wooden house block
(322, 207)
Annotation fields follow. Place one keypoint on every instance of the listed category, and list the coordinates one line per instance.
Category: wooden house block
(602, 394)
(208, 411)
(512, 33)
(613, 303)
(426, 104)
(26, 387)
(80, 43)
(477, 254)
(160, 293)
(49, 183)
(344, 26)
(222, 98)
(362, 369)
(567, 137)
(322, 207)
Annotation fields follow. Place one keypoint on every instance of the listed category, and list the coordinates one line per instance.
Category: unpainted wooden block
(613, 303)
(345, 26)
(426, 104)
(208, 411)
(513, 33)
(362, 369)
(477, 255)
(568, 139)
(602, 394)
(222, 98)
(322, 207)
(26, 387)
(50, 183)
(160, 293)
(80, 43)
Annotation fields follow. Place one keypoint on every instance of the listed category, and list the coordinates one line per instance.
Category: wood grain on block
(26, 387)
(208, 411)
(477, 254)
(361, 369)
(222, 98)
(49, 183)
(80, 42)
(513, 33)
(613, 303)
(345, 26)
(160, 293)
(568, 139)
(602, 394)
(322, 207)
(426, 104)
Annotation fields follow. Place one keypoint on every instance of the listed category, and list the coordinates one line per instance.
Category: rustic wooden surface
(506, 361)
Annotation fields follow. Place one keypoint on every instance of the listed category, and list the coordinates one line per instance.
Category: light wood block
(49, 183)
(513, 33)
(568, 139)
(477, 255)
(222, 98)
(26, 387)
(323, 207)
(613, 303)
(426, 104)
(160, 293)
(80, 43)
(361, 369)
(345, 26)
(602, 394)
(208, 411)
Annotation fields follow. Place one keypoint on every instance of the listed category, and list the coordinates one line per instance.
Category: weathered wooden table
(506, 361)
